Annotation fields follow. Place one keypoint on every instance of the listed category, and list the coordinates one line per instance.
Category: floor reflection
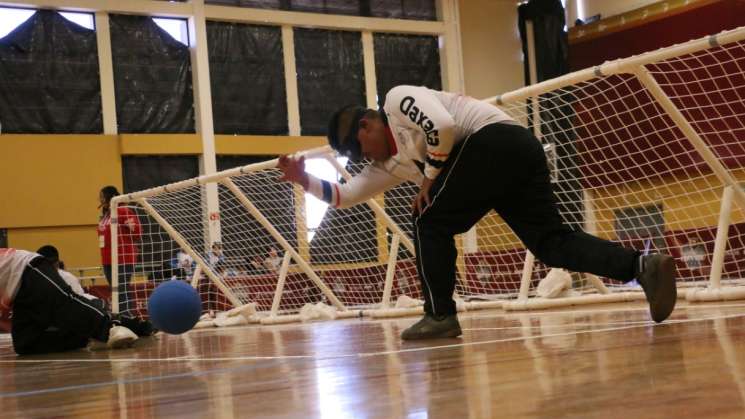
(572, 363)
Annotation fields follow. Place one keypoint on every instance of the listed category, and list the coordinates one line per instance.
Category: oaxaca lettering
(419, 118)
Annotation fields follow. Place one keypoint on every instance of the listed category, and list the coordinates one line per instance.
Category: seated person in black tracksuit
(48, 316)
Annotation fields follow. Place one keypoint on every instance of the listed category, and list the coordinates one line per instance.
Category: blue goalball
(174, 307)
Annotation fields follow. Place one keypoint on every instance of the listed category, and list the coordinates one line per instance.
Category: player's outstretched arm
(365, 185)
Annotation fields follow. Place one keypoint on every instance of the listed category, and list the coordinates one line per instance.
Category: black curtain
(336, 7)
(144, 172)
(556, 111)
(258, 4)
(420, 67)
(404, 9)
(152, 78)
(551, 40)
(397, 9)
(247, 79)
(330, 75)
(50, 82)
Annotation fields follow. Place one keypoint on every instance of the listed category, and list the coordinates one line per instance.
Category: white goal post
(642, 151)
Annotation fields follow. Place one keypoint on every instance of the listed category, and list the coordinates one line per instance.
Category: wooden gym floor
(603, 362)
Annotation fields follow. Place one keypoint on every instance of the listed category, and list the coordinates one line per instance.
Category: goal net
(642, 151)
(265, 252)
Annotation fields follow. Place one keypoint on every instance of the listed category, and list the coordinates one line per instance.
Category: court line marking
(548, 326)
(475, 329)
(367, 354)
(605, 310)
(254, 366)
(581, 324)
(549, 335)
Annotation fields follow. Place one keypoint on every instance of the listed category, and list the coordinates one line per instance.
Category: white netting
(348, 252)
(622, 169)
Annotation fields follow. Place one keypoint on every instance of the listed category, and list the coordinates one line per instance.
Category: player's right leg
(139, 326)
(460, 196)
(657, 278)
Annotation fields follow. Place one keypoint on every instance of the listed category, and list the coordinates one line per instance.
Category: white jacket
(12, 264)
(74, 283)
(425, 124)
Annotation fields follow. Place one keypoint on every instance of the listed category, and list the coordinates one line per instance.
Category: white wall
(492, 55)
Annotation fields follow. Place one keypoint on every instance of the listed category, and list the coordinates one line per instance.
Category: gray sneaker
(658, 282)
(430, 327)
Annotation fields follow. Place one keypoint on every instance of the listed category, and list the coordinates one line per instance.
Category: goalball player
(49, 317)
(468, 157)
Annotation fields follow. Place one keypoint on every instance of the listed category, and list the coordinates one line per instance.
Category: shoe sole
(124, 343)
(667, 293)
(447, 334)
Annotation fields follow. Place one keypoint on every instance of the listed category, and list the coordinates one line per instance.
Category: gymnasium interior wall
(56, 197)
(55, 179)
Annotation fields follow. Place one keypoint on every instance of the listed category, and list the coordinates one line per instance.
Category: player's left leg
(45, 308)
(29, 342)
(533, 215)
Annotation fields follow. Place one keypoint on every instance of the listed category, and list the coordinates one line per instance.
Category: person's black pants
(503, 167)
(126, 296)
(49, 317)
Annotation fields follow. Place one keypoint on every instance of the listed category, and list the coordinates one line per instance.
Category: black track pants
(49, 317)
(503, 167)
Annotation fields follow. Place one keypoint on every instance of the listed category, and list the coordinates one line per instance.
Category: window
(83, 19)
(315, 209)
(12, 18)
(50, 82)
(152, 77)
(177, 28)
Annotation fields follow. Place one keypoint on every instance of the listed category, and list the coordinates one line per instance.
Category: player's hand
(422, 200)
(293, 170)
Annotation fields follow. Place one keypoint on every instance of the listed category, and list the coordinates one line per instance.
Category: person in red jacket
(128, 234)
